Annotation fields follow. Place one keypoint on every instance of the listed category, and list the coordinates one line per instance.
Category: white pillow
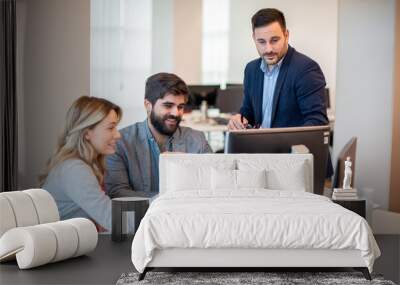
(281, 174)
(251, 178)
(292, 179)
(187, 175)
(182, 177)
(223, 179)
(226, 179)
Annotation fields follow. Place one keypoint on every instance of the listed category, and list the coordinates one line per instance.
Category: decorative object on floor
(31, 233)
(243, 278)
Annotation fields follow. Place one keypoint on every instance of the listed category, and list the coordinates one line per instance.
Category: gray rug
(228, 278)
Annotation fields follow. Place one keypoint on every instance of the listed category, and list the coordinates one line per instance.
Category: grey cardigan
(77, 192)
(128, 171)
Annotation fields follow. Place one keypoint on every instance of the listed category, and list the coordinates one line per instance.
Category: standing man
(282, 88)
(133, 169)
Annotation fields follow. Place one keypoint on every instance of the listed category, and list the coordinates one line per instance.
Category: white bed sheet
(252, 218)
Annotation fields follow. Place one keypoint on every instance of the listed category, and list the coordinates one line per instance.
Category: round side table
(139, 205)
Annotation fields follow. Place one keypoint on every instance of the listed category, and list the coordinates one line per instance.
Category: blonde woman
(75, 173)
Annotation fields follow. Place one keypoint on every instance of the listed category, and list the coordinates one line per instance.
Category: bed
(246, 211)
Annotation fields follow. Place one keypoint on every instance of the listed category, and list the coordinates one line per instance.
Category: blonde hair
(84, 114)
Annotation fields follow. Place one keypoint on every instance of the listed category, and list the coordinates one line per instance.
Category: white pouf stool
(31, 233)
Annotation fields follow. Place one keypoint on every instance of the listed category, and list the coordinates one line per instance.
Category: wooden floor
(106, 264)
(389, 262)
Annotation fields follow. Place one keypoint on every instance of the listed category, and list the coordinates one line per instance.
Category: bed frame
(248, 259)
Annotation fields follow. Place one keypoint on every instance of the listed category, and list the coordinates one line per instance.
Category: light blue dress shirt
(270, 77)
(155, 154)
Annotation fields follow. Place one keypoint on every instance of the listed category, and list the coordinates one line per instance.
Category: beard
(161, 126)
(276, 58)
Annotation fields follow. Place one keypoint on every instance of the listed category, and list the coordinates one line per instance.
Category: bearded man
(133, 169)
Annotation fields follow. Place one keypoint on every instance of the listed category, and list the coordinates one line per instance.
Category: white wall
(187, 40)
(312, 30)
(315, 36)
(121, 35)
(162, 46)
(53, 53)
(365, 91)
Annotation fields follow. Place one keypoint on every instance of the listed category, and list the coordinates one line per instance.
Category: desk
(104, 265)
(205, 126)
(215, 133)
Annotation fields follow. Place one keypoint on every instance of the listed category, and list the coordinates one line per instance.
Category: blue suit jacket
(298, 96)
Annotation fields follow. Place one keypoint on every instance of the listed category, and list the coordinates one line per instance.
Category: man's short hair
(159, 84)
(268, 16)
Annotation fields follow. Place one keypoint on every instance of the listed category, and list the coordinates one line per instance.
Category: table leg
(116, 231)
(140, 211)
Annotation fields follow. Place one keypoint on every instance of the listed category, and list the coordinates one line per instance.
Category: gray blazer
(128, 171)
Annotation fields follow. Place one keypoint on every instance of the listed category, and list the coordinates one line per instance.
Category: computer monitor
(281, 140)
(198, 93)
(229, 100)
(327, 98)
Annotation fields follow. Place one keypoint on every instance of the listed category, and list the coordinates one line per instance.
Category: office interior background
(68, 48)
